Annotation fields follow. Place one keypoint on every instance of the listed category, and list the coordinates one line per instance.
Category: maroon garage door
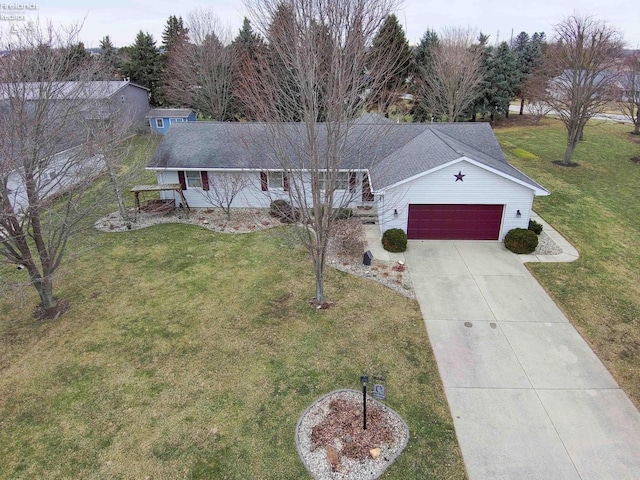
(454, 222)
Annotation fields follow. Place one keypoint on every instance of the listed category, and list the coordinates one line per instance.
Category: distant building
(160, 119)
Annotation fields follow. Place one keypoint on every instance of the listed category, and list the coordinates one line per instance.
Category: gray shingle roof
(94, 90)
(169, 112)
(391, 152)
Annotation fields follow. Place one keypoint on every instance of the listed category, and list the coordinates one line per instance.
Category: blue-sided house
(160, 119)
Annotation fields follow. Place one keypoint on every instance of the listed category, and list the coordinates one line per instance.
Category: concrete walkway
(529, 398)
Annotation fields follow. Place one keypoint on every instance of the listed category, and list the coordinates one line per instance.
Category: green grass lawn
(596, 206)
(192, 354)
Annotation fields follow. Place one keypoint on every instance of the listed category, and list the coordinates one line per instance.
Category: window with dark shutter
(205, 180)
(263, 181)
(352, 182)
(285, 182)
(181, 179)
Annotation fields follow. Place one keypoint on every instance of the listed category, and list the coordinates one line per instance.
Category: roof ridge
(448, 140)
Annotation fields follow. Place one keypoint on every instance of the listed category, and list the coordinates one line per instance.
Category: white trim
(161, 120)
(537, 191)
(186, 169)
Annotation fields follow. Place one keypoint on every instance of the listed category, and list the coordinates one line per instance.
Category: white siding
(252, 195)
(478, 186)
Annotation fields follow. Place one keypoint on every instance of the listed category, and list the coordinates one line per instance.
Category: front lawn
(191, 354)
(596, 207)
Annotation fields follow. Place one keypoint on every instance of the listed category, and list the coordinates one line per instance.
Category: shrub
(394, 240)
(521, 240)
(535, 227)
(285, 212)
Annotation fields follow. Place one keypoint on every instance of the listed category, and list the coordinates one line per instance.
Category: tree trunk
(319, 271)
(568, 153)
(636, 128)
(118, 191)
(44, 286)
(521, 106)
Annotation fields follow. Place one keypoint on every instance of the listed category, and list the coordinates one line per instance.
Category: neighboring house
(563, 85)
(160, 119)
(97, 100)
(434, 180)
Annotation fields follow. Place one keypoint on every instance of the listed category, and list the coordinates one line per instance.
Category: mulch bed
(52, 313)
(344, 422)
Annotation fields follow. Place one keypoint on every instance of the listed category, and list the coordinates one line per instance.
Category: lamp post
(364, 380)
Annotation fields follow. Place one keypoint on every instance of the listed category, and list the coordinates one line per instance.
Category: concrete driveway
(529, 398)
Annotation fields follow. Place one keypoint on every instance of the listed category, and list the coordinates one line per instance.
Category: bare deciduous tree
(200, 67)
(536, 91)
(583, 58)
(46, 162)
(455, 75)
(630, 96)
(223, 187)
(324, 48)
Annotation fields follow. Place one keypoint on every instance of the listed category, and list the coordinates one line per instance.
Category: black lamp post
(364, 380)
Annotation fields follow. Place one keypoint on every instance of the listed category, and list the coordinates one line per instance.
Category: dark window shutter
(263, 181)
(285, 181)
(352, 182)
(183, 182)
(205, 180)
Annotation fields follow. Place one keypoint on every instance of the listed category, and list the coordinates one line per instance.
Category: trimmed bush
(285, 212)
(521, 240)
(394, 240)
(535, 227)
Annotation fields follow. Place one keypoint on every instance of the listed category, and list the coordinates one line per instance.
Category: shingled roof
(391, 152)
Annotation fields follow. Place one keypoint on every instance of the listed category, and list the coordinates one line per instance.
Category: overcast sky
(122, 19)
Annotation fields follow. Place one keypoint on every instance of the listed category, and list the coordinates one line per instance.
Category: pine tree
(528, 51)
(174, 31)
(144, 64)
(109, 57)
(505, 78)
(423, 70)
(391, 49)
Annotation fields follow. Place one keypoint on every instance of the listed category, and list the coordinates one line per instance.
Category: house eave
(536, 191)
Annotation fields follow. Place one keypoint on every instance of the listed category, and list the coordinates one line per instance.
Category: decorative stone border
(316, 462)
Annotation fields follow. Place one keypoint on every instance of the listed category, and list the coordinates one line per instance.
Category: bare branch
(200, 67)
(583, 59)
(318, 73)
(456, 74)
(46, 160)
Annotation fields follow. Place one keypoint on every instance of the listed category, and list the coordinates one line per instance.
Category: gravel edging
(315, 461)
(546, 246)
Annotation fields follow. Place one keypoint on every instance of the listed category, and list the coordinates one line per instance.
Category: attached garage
(454, 222)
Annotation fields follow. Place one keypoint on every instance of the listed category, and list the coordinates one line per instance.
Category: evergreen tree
(288, 102)
(482, 104)
(174, 31)
(528, 51)
(248, 47)
(504, 79)
(76, 58)
(423, 70)
(144, 66)
(109, 57)
(391, 50)
(247, 39)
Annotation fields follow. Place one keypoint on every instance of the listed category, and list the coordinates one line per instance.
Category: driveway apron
(529, 398)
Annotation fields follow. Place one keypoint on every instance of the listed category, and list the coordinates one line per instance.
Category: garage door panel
(454, 222)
